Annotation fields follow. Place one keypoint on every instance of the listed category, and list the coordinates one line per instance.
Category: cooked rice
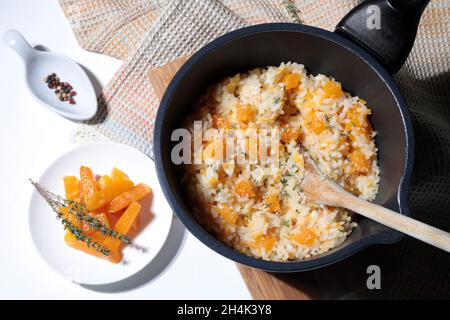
(260, 209)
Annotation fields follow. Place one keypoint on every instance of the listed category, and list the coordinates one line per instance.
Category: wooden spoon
(319, 189)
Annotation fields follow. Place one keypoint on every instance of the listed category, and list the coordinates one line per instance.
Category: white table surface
(31, 137)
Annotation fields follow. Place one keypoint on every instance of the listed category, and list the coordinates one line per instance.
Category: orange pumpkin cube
(229, 215)
(359, 164)
(266, 241)
(354, 116)
(245, 113)
(273, 203)
(332, 89)
(291, 81)
(316, 122)
(305, 236)
(245, 189)
(318, 126)
(289, 133)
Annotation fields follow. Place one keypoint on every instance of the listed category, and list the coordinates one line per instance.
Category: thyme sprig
(328, 121)
(80, 211)
(80, 236)
(82, 214)
(292, 10)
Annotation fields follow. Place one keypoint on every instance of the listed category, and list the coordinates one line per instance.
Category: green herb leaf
(328, 121)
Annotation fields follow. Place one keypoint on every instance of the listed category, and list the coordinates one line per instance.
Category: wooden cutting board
(262, 285)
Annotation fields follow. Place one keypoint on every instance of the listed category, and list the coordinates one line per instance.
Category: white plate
(48, 234)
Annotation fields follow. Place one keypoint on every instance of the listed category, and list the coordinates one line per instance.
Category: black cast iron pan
(361, 58)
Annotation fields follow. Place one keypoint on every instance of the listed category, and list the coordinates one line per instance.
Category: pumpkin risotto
(259, 208)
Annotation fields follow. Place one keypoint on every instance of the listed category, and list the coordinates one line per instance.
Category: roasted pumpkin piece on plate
(117, 173)
(73, 242)
(72, 188)
(122, 226)
(103, 181)
(112, 187)
(70, 216)
(124, 199)
(88, 184)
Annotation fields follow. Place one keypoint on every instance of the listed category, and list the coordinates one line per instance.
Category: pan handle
(385, 28)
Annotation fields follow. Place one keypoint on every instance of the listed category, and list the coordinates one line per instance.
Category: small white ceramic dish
(39, 64)
(48, 234)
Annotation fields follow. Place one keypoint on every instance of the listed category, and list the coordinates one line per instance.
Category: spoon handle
(15, 40)
(397, 221)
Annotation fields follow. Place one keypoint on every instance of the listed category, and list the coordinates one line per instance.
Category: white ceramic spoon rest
(39, 64)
